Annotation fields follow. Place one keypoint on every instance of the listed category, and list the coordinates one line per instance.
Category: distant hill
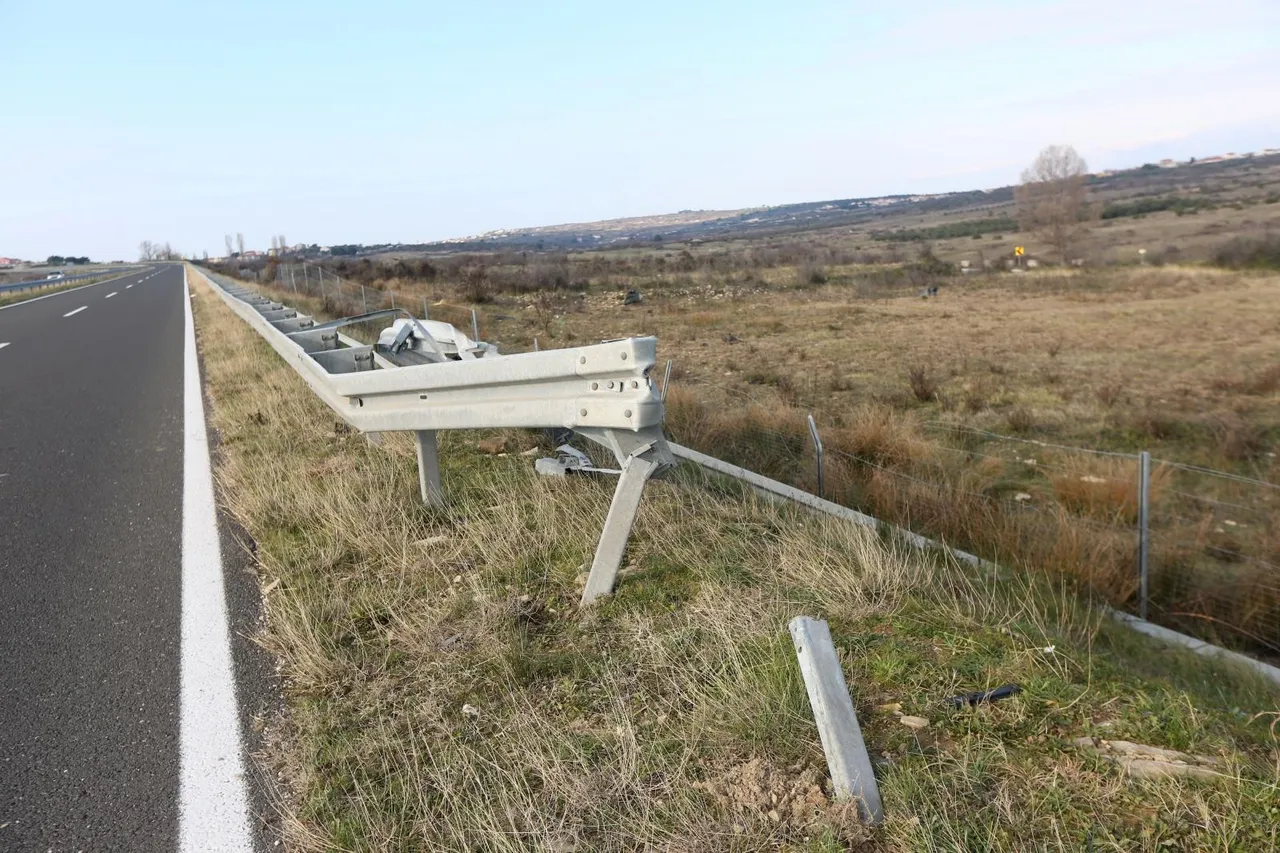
(705, 225)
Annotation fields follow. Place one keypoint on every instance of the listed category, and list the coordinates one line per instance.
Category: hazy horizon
(411, 123)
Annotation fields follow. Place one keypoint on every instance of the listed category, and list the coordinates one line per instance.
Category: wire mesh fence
(1211, 565)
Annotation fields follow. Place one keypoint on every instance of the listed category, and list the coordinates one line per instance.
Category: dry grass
(445, 693)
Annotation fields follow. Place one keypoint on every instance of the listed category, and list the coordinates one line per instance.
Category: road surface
(109, 719)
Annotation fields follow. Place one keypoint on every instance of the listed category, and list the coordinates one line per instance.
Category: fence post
(393, 298)
(817, 446)
(1144, 533)
(475, 327)
(666, 381)
(321, 284)
(306, 279)
(424, 309)
(364, 299)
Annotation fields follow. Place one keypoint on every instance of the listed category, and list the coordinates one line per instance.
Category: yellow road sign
(1018, 250)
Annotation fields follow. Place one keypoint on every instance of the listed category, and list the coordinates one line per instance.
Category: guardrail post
(429, 467)
(847, 759)
(636, 470)
(1144, 529)
(817, 446)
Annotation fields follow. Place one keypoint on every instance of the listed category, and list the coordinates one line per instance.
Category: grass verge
(444, 692)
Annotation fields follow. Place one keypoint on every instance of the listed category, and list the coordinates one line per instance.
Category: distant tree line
(1143, 206)
(964, 228)
(59, 260)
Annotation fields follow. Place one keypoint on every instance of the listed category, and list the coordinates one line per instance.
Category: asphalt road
(91, 563)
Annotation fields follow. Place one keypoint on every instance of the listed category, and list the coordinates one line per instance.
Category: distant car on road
(54, 275)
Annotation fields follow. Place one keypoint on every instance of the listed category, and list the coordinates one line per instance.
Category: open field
(444, 691)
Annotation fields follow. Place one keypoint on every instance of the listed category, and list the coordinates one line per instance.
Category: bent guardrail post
(423, 376)
(846, 751)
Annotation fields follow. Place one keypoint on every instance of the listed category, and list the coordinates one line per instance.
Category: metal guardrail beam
(66, 279)
(603, 392)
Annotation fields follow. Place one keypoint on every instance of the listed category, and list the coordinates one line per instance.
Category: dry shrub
(770, 439)
(1020, 419)
(977, 397)
(1156, 424)
(882, 435)
(1261, 382)
(1238, 438)
(1110, 394)
(923, 382)
(1105, 488)
(476, 286)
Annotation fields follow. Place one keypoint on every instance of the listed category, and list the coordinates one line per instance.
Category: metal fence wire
(1186, 546)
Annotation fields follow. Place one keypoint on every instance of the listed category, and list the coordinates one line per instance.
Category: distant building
(1167, 163)
(6, 263)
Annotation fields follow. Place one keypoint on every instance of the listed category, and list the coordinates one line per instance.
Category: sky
(388, 121)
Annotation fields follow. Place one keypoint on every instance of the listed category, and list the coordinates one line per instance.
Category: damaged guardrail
(425, 376)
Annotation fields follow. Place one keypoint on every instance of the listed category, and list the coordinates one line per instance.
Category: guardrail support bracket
(429, 467)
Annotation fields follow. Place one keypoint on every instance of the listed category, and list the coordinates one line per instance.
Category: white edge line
(213, 803)
(75, 312)
(5, 344)
(64, 292)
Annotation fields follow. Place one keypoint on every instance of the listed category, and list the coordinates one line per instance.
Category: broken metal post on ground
(429, 467)
(847, 758)
(666, 381)
(636, 470)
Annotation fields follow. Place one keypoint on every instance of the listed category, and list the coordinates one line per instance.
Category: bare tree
(283, 245)
(168, 254)
(240, 242)
(275, 243)
(1053, 200)
(228, 239)
(146, 251)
